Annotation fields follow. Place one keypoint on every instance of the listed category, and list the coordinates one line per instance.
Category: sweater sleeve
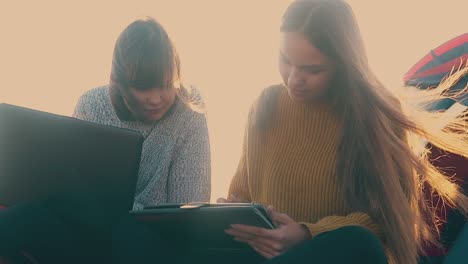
(239, 187)
(190, 171)
(80, 111)
(330, 223)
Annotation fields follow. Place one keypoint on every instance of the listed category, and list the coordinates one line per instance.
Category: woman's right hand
(231, 199)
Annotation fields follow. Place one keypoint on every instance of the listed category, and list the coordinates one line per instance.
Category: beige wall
(52, 51)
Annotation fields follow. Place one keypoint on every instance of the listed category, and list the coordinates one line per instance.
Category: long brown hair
(379, 170)
(145, 57)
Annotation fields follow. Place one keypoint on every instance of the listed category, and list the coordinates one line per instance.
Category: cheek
(169, 96)
(135, 99)
(140, 99)
(284, 71)
(319, 82)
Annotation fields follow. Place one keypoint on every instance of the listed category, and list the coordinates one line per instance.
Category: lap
(351, 244)
(133, 242)
(33, 228)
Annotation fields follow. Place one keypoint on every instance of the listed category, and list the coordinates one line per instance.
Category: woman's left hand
(271, 242)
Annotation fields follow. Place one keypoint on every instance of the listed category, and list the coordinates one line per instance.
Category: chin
(295, 98)
(154, 118)
(149, 119)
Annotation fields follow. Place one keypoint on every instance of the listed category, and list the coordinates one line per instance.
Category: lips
(298, 92)
(154, 111)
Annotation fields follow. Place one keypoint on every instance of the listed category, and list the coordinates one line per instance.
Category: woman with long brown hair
(329, 149)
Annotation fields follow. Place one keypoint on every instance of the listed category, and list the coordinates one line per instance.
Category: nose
(295, 78)
(154, 97)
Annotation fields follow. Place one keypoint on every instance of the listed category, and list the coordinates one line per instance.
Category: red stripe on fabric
(410, 74)
(460, 40)
(455, 42)
(443, 68)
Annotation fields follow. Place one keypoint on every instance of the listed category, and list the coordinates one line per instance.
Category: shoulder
(269, 94)
(94, 95)
(91, 102)
(188, 117)
(264, 105)
(185, 127)
(189, 112)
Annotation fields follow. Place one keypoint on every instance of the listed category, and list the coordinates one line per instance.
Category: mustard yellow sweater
(293, 166)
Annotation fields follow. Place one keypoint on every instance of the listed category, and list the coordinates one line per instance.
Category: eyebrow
(305, 66)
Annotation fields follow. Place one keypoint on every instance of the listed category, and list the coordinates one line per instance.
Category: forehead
(299, 51)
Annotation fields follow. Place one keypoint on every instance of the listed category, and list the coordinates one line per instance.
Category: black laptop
(85, 171)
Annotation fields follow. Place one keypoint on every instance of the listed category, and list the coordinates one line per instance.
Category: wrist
(306, 231)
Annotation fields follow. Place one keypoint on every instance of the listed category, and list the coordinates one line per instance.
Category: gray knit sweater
(175, 161)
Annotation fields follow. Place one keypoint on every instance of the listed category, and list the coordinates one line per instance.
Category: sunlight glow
(52, 51)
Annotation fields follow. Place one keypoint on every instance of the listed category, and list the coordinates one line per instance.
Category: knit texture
(292, 165)
(175, 161)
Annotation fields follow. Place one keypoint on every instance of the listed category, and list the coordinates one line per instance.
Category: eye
(313, 69)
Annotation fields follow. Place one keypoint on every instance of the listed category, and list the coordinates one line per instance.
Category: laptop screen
(87, 172)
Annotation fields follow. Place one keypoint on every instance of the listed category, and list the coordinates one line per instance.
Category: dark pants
(351, 244)
(49, 240)
(44, 235)
(133, 242)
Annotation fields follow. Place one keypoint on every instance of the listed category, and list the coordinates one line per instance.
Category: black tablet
(202, 225)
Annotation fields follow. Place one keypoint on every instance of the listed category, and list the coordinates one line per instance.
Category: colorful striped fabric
(429, 72)
(436, 65)
(438, 62)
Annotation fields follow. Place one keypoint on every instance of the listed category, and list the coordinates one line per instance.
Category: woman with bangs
(146, 94)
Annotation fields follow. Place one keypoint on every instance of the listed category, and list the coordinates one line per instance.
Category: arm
(190, 172)
(239, 187)
(330, 223)
(257, 120)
